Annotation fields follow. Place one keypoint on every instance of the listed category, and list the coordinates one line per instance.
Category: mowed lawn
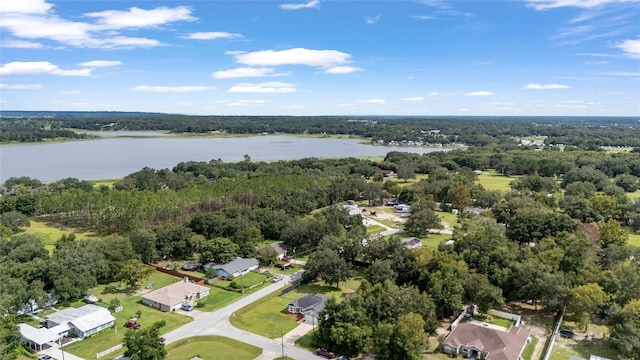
(268, 317)
(491, 180)
(211, 348)
(634, 239)
(88, 348)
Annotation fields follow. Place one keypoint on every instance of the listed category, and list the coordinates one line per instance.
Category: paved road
(217, 323)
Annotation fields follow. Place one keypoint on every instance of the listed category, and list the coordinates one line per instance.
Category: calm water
(115, 157)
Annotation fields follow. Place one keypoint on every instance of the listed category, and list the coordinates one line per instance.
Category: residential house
(37, 339)
(81, 322)
(309, 306)
(473, 339)
(235, 268)
(170, 298)
(412, 243)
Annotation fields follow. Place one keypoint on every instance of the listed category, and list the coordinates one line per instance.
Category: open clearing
(268, 316)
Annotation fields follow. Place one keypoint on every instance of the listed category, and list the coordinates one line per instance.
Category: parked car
(277, 278)
(191, 266)
(186, 307)
(567, 334)
(286, 258)
(342, 357)
(132, 324)
(284, 266)
(326, 353)
(45, 357)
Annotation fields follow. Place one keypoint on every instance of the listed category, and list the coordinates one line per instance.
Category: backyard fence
(552, 337)
(506, 315)
(109, 351)
(195, 279)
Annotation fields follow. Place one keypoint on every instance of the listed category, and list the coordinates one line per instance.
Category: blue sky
(314, 57)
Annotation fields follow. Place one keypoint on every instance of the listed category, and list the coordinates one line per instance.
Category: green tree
(585, 299)
(612, 233)
(420, 222)
(219, 250)
(132, 273)
(327, 265)
(14, 220)
(145, 343)
(404, 339)
(9, 337)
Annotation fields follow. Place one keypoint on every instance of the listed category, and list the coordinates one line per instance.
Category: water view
(115, 157)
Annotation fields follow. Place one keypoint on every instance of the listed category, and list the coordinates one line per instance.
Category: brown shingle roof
(500, 345)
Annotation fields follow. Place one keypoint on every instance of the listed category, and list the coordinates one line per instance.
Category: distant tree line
(583, 132)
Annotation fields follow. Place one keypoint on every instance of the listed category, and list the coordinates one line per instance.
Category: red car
(132, 324)
(286, 258)
(326, 353)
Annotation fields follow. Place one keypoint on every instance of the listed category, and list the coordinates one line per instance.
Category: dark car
(286, 258)
(567, 334)
(284, 266)
(45, 357)
(326, 353)
(132, 324)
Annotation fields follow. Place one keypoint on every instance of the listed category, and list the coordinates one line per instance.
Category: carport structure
(37, 338)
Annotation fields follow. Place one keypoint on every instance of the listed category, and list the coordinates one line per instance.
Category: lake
(114, 157)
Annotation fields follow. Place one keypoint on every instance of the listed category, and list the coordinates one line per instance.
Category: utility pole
(282, 337)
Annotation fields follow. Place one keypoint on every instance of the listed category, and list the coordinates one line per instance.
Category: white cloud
(245, 72)
(246, 102)
(100, 63)
(212, 35)
(631, 48)
(422, 17)
(545, 86)
(342, 70)
(172, 89)
(479, 93)
(346, 105)
(21, 44)
(415, 98)
(24, 7)
(21, 86)
(371, 101)
(296, 56)
(141, 18)
(585, 4)
(372, 19)
(272, 87)
(434, 93)
(306, 5)
(70, 92)
(40, 68)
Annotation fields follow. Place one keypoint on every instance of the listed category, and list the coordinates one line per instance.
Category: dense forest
(585, 133)
(558, 237)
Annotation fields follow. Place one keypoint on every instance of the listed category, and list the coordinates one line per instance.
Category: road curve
(217, 323)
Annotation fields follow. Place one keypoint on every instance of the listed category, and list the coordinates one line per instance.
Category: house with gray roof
(235, 268)
(309, 306)
(81, 322)
(474, 339)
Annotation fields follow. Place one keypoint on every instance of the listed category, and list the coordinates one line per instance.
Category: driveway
(217, 323)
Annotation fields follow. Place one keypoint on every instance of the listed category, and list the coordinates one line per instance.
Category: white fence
(457, 320)
(506, 315)
(109, 351)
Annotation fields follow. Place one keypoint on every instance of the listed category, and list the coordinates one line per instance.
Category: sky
(317, 57)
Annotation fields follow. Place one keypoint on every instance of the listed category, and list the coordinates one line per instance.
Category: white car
(277, 278)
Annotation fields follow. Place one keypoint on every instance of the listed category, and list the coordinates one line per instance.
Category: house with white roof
(170, 298)
(37, 339)
(81, 322)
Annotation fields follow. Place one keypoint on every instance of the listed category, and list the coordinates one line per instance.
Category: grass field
(211, 348)
(634, 239)
(491, 180)
(49, 234)
(88, 348)
(563, 350)
(267, 316)
(108, 183)
(528, 350)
